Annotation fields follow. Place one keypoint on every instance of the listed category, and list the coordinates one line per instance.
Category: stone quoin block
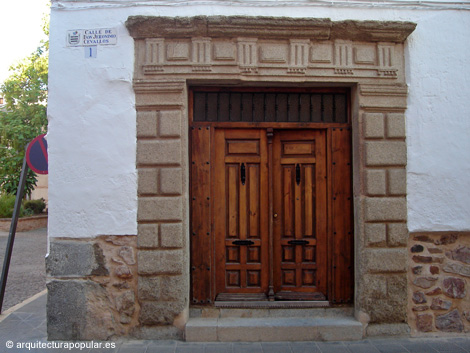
(397, 181)
(78, 310)
(159, 152)
(376, 233)
(147, 124)
(155, 262)
(159, 313)
(170, 123)
(149, 288)
(148, 236)
(160, 209)
(386, 260)
(75, 259)
(147, 181)
(396, 125)
(385, 209)
(375, 285)
(373, 125)
(397, 234)
(379, 153)
(174, 288)
(375, 182)
(171, 181)
(171, 235)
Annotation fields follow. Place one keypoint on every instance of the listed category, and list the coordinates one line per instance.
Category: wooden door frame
(334, 132)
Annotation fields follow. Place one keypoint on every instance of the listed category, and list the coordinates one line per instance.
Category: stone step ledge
(272, 329)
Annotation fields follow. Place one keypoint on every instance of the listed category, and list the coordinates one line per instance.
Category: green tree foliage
(24, 116)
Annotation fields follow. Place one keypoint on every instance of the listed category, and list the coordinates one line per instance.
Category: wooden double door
(270, 214)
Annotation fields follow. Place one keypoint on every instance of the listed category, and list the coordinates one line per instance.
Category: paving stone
(304, 347)
(189, 348)
(361, 348)
(132, 348)
(247, 348)
(333, 347)
(218, 348)
(276, 347)
(391, 348)
(418, 347)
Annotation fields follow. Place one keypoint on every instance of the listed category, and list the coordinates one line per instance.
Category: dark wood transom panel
(271, 212)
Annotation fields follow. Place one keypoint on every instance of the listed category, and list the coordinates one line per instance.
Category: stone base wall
(92, 288)
(439, 279)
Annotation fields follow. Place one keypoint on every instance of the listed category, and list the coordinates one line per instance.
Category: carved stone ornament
(268, 45)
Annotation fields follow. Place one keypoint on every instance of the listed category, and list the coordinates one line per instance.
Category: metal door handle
(243, 173)
(298, 242)
(243, 242)
(297, 173)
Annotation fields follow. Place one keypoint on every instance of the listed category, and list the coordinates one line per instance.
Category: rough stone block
(171, 235)
(155, 262)
(375, 182)
(148, 236)
(397, 287)
(396, 125)
(424, 282)
(150, 288)
(385, 153)
(159, 152)
(397, 181)
(160, 209)
(375, 233)
(78, 310)
(170, 123)
(456, 268)
(386, 311)
(174, 288)
(385, 209)
(373, 125)
(171, 181)
(375, 286)
(450, 322)
(454, 287)
(388, 330)
(397, 234)
(424, 323)
(75, 259)
(147, 181)
(386, 260)
(146, 124)
(159, 313)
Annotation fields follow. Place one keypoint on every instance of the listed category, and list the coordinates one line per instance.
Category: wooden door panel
(299, 164)
(240, 211)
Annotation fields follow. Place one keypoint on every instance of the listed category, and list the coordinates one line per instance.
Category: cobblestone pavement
(27, 275)
(27, 325)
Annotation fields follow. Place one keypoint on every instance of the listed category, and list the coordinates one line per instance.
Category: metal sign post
(11, 236)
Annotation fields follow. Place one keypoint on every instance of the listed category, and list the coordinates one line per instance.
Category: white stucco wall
(92, 138)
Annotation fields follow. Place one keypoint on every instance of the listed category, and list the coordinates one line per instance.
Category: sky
(21, 30)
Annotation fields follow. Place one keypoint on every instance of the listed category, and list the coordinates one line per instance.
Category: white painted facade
(92, 118)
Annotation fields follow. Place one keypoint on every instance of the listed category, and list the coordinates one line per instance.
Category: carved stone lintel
(343, 71)
(268, 27)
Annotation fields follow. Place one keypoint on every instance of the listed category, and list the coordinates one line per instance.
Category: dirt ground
(27, 275)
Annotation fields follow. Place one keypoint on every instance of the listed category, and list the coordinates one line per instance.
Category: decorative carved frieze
(299, 50)
(154, 55)
(386, 53)
(248, 55)
(364, 55)
(224, 51)
(177, 51)
(202, 54)
(273, 53)
(343, 57)
(321, 53)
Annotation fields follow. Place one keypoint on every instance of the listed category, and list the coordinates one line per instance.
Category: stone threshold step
(272, 329)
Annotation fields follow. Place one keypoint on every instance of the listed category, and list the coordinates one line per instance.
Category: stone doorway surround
(172, 54)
